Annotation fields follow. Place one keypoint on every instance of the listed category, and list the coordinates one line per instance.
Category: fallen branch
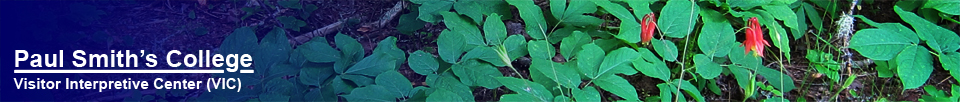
(387, 17)
(319, 32)
(392, 13)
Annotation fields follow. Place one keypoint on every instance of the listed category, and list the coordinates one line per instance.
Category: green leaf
(825, 64)
(449, 83)
(826, 70)
(877, 44)
(198, 31)
(801, 28)
(740, 57)
(780, 38)
(617, 58)
(715, 34)
(477, 8)
(777, 33)
(783, 13)
(314, 76)
(429, 9)
(423, 63)
(648, 55)
(573, 13)
(538, 77)
(678, 18)
(895, 28)
(562, 98)
(388, 48)
(441, 95)
(557, 35)
(317, 50)
(934, 35)
(706, 67)
(666, 49)
(275, 85)
(640, 7)
(373, 65)
(469, 8)
(351, 49)
(292, 23)
(747, 4)
(282, 70)
(743, 77)
(901, 32)
(914, 66)
(527, 88)
(691, 90)
(775, 99)
(652, 67)
(949, 62)
(339, 85)
(408, 23)
(358, 80)
(294, 4)
(777, 79)
(372, 93)
(192, 15)
(629, 27)
(814, 16)
(540, 49)
(910, 5)
(450, 46)
(516, 97)
(308, 11)
(273, 97)
(665, 90)
(609, 44)
(395, 83)
(239, 41)
(590, 59)
(618, 86)
(461, 26)
(885, 69)
(572, 44)
(417, 93)
(496, 6)
(951, 7)
(472, 72)
(588, 94)
(535, 25)
(494, 30)
(559, 73)
(516, 46)
(484, 53)
(273, 49)
(714, 88)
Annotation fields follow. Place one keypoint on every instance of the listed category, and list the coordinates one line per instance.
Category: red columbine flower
(647, 25)
(755, 39)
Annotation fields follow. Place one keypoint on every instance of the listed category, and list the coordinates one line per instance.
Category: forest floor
(190, 26)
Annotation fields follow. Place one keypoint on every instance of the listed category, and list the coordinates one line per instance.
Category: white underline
(118, 71)
(246, 71)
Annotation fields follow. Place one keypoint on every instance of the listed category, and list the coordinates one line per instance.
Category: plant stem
(502, 52)
(948, 18)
